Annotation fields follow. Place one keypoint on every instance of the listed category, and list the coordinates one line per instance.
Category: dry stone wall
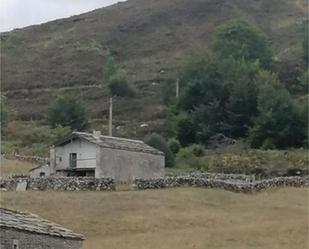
(226, 184)
(59, 183)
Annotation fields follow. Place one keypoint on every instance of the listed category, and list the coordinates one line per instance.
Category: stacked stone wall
(59, 183)
(226, 184)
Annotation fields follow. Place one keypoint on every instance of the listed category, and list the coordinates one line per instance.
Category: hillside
(150, 38)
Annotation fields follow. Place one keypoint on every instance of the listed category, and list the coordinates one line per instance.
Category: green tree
(281, 122)
(241, 39)
(4, 116)
(305, 42)
(220, 97)
(157, 141)
(174, 145)
(116, 79)
(67, 111)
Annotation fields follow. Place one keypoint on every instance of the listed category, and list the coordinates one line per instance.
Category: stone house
(91, 154)
(28, 231)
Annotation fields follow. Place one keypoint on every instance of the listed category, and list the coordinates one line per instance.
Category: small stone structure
(91, 154)
(28, 231)
(40, 171)
(59, 183)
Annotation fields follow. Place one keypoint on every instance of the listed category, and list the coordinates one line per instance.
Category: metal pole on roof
(110, 133)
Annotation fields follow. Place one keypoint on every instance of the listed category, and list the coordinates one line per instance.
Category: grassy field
(175, 218)
(15, 167)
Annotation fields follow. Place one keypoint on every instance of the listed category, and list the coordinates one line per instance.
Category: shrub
(174, 145)
(67, 111)
(118, 86)
(3, 116)
(32, 138)
(158, 142)
(115, 79)
(191, 157)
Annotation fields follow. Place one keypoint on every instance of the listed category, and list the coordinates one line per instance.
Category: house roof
(112, 142)
(33, 223)
(37, 167)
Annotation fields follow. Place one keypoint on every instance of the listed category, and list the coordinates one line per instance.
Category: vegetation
(281, 122)
(229, 91)
(77, 51)
(15, 167)
(306, 42)
(31, 138)
(67, 111)
(242, 40)
(115, 78)
(179, 218)
(174, 145)
(265, 162)
(158, 142)
(3, 116)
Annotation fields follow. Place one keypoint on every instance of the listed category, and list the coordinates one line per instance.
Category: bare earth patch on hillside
(15, 167)
(175, 218)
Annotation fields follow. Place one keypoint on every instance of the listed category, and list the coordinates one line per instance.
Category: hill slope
(150, 38)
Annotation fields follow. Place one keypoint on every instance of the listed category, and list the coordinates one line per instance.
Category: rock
(22, 186)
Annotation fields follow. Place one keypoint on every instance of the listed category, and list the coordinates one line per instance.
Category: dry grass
(15, 167)
(176, 218)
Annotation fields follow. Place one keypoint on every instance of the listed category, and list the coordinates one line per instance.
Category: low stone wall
(59, 183)
(230, 185)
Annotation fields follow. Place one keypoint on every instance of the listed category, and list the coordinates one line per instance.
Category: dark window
(73, 160)
(42, 174)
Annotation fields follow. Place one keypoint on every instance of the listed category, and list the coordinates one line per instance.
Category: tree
(115, 78)
(174, 145)
(220, 97)
(305, 43)
(4, 116)
(157, 141)
(67, 111)
(281, 122)
(241, 39)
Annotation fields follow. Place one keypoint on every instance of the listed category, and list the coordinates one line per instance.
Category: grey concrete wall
(124, 166)
(27, 240)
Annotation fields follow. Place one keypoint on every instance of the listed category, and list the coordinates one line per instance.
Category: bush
(191, 157)
(3, 116)
(32, 138)
(67, 111)
(158, 142)
(115, 79)
(118, 86)
(281, 122)
(174, 145)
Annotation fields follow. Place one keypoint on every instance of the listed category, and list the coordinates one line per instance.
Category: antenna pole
(177, 88)
(110, 133)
